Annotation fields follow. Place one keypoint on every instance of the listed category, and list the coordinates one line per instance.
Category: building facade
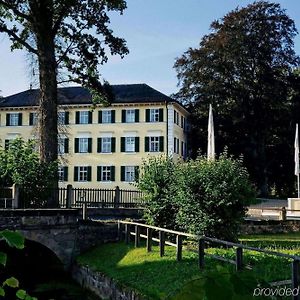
(102, 147)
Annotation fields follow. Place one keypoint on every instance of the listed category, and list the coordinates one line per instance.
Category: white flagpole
(296, 145)
(211, 136)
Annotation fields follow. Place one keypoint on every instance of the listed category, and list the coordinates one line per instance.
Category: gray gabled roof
(124, 93)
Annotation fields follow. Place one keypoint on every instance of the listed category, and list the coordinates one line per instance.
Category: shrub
(157, 181)
(20, 164)
(201, 196)
(215, 196)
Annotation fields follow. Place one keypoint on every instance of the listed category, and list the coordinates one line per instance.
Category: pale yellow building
(102, 148)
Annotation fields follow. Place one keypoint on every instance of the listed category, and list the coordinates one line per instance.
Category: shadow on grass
(158, 278)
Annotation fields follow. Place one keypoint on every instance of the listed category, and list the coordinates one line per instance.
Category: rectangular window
(63, 145)
(83, 145)
(154, 144)
(129, 144)
(154, 115)
(33, 119)
(130, 115)
(105, 173)
(82, 173)
(106, 145)
(129, 173)
(106, 116)
(62, 173)
(14, 119)
(83, 117)
(63, 118)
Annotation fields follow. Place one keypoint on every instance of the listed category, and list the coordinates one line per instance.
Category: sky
(156, 31)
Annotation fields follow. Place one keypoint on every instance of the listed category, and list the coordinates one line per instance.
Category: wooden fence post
(15, 196)
(295, 277)
(84, 211)
(149, 239)
(119, 231)
(161, 243)
(137, 236)
(69, 196)
(239, 259)
(179, 247)
(117, 197)
(201, 253)
(127, 233)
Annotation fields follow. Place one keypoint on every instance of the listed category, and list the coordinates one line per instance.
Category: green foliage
(245, 68)
(13, 239)
(215, 194)
(21, 165)
(198, 196)
(158, 183)
(221, 283)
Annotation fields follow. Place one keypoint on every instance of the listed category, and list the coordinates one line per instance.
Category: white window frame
(154, 114)
(130, 115)
(106, 173)
(61, 145)
(83, 145)
(129, 144)
(61, 174)
(154, 144)
(106, 144)
(84, 117)
(106, 116)
(61, 118)
(34, 118)
(129, 173)
(83, 174)
(14, 119)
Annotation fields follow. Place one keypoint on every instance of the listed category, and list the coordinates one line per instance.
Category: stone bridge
(60, 230)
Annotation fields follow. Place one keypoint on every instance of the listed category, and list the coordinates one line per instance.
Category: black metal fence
(70, 197)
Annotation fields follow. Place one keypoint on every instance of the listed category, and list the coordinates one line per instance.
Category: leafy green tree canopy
(243, 68)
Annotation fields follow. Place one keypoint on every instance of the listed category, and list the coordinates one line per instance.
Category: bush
(157, 181)
(200, 197)
(20, 164)
(215, 196)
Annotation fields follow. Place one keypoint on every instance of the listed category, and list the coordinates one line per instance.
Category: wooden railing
(124, 228)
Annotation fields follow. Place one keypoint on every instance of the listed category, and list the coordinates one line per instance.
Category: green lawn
(158, 278)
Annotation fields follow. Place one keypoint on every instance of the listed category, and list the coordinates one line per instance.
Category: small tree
(20, 164)
(214, 197)
(157, 181)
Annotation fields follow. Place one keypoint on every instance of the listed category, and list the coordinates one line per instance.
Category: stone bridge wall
(60, 230)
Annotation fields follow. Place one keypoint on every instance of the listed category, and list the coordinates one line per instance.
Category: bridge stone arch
(54, 242)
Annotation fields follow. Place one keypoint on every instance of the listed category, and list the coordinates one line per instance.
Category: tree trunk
(42, 12)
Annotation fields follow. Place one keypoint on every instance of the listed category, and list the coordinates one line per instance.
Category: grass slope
(158, 278)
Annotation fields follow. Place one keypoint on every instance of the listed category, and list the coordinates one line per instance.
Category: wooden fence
(124, 228)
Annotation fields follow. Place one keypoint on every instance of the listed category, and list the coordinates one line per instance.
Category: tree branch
(16, 12)
(11, 33)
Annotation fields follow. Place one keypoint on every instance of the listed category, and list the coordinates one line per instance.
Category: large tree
(63, 35)
(243, 67)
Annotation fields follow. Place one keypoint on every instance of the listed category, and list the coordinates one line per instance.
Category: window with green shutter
(147, 140)
(76, 170)
(137, 144)
(161, 144)
(99, 116)
(113, 116)
(90, 140)
(137, 115)
(161, 115)
(89, 173)
(113, 144)
(147, 115)
(99, 145)
(112, 173)
(122, 144)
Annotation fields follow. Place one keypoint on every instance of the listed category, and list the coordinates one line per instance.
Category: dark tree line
(247, 68)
